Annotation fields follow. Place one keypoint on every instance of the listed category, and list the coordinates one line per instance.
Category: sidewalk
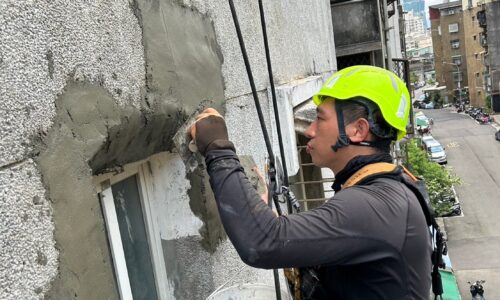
(496, 123)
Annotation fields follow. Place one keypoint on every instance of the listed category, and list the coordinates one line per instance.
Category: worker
(370, 240)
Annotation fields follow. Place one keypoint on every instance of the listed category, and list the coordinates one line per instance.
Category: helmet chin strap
(343, 140)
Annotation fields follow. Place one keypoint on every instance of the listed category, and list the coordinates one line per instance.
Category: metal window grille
(312, 185)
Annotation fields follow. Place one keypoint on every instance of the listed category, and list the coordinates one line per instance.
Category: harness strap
(369, 170)
(418, 188)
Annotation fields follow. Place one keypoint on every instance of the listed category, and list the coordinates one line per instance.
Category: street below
(474, 238)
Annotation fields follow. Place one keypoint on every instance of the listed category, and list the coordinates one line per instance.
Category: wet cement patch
(92, 133)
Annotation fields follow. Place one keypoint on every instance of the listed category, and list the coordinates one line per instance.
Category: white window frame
(103, 185)
(453, 27)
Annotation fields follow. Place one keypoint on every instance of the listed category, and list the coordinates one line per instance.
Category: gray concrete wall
(87, 87)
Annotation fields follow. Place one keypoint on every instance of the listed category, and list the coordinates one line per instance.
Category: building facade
(97, 202)
(488, 18)
(448, 40)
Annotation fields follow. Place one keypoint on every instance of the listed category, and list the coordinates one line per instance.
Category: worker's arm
(325, 235)
(331, 234)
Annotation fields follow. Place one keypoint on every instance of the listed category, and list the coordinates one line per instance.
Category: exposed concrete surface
(228, 269)
(84, 114)
(44, 44)
(244, 127)
(300, 40)
(28, 258)
(183, 58)
(87, 87)
(188, 267)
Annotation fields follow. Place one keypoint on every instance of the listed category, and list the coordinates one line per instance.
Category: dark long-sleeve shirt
(371, 240)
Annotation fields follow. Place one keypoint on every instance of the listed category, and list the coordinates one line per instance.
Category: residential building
(488, 18)
(373, 36)
(448, 40)
(417, 8)
(96, 200)
(414, 24)
(475, 53)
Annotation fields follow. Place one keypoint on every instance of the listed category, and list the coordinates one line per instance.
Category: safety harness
(417, 186)
(310, 284)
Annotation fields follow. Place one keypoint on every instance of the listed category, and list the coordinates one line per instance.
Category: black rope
(272, 169)
(275, 102)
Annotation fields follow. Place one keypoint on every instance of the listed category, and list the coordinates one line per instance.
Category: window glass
(134, 239)
(453, 27)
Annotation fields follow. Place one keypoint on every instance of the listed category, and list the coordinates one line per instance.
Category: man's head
(361, 110)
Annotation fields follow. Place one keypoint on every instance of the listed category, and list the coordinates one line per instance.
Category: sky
(430, 2)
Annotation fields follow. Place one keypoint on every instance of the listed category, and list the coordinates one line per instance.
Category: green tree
(413, 77)
(487, 101)
(439, 180)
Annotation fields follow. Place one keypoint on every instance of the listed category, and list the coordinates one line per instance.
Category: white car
(436, 152)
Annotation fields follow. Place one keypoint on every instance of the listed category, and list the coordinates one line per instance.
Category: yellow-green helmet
(379, 85)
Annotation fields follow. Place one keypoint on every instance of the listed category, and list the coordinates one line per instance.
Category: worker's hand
(210, 132)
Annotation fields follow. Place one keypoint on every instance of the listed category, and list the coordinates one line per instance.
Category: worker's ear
(358, 130)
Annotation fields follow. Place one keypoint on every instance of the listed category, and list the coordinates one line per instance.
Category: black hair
(360, 107)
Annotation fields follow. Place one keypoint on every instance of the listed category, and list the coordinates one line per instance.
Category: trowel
(184, 145)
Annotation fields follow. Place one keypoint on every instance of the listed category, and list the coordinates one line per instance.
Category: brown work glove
(210, 132)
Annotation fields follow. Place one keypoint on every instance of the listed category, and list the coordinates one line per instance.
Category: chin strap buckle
(342, 141)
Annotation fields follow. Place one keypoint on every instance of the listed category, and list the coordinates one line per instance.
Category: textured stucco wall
(88, 86)
(44, 45)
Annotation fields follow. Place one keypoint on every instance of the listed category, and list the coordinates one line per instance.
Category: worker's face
(323, 133)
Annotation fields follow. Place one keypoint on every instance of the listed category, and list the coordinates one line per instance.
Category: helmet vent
(394, 83)
(332, 81)
(402, 106)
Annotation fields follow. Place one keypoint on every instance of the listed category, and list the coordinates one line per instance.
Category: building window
(477, 74)
(457, 59)
(455, 44)
(457, 76)
(134, 241)
(453, 27)
(448, 12)
(475, 37)
(473, 18)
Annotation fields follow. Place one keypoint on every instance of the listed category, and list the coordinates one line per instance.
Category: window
(475, 37)
(448, 12)
(477, 74)
(455, 44)
(134, 241)
(456, 59)
(453, 27)
(473, 18)
(457, 76)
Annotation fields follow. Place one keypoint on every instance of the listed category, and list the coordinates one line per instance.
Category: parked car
(429, 105)
(497, 135)
(427, 138)
(436, 152)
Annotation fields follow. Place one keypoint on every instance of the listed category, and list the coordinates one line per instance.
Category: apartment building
(448, 39)
(475, 53)
(488, 17)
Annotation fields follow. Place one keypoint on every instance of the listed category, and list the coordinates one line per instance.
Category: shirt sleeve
(328, 235)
